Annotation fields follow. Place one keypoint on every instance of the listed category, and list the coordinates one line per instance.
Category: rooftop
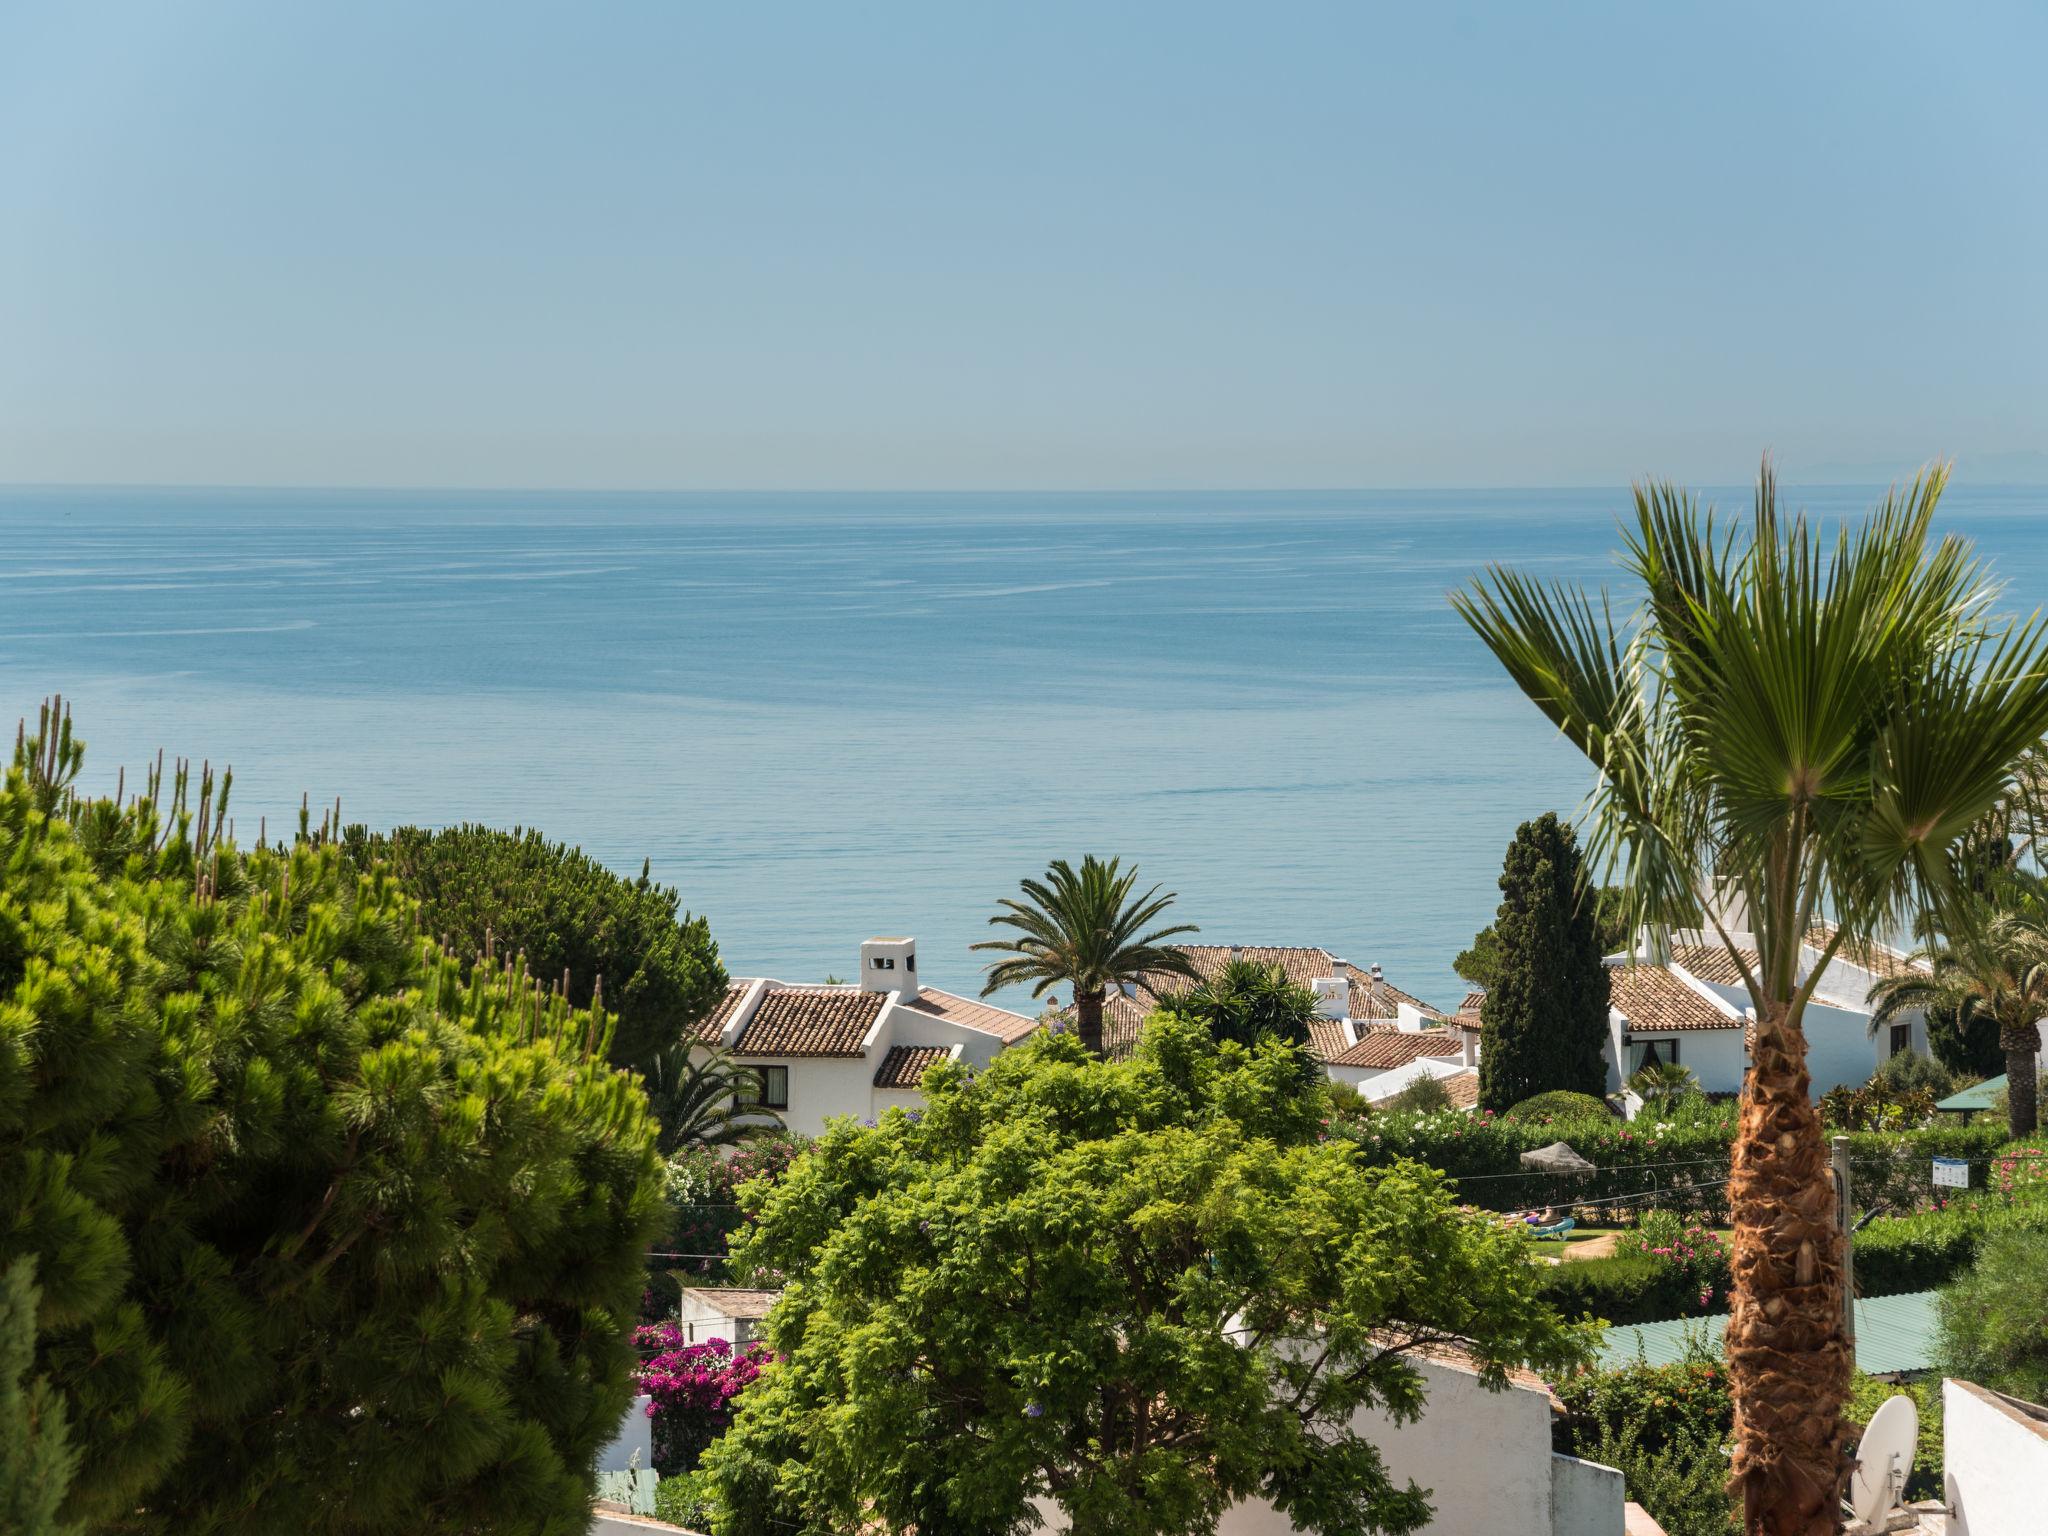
(810, 1021)
(1894, 1335)
(734, 1303)
(905, 1065)
(1384, 1046)
(1655, 1001)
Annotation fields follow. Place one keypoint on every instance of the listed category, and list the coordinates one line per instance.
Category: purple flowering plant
(691, 1387)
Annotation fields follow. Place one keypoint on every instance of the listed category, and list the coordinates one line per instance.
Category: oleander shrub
(700, 1191)
(1558, 1108)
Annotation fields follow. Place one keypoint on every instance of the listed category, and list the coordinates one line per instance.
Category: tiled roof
(905, 1065)
(1463, 1087)
(1878, 959)
(712, 1025)
(1712, 962)
(1122, 1017)
(735, 1303)
(810, 1021)
(970, 1013)
(1472, 1001)
(1654, 1002)
(1385, 1047)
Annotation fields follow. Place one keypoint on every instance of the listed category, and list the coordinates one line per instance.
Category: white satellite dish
(1884, 1458)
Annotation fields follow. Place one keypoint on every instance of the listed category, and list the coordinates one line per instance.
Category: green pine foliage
(1142, 1291)
(483, 888)
(333, 1233)
(1544, 1021)
(37, 1462)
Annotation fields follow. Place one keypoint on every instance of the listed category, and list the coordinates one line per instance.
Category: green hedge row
(1627, 1288)
(1681, 1167)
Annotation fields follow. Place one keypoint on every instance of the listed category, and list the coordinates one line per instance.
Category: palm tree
(1812, 727)
(1084, 929)
(1247, 1002)
(1661, 1084)
(1996, 971)
(711, 1101)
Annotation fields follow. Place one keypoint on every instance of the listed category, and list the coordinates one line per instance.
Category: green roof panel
(1894, 1336)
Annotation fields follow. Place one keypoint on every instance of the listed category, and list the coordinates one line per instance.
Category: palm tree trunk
(1788, 1362)
(2022, 1046)
(1088, 1019)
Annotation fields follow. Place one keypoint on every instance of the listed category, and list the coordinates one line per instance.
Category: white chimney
(889, 965)
(1333, 993)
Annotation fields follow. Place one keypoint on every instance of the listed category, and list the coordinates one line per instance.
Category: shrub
(331, 1235)
(1696, 1253)
(1909, 1071)
(700, 1191)
(692, 1387)
(1631, 1288)
(1424, 1096)
(1867, 1394)
(1558, 1107)
(1994, 1319)
(688, 1499)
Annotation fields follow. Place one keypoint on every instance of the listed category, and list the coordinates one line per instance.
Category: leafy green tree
(1480, 964)
(705, 1097)
(36, 1459)
(1994, 1320)
(1818, 725)
(1248, 1002)
(1143, 1291)
(485, 891)
(1543, 1026)
(333, 1233)
(1965, 1042)
(1085, 929)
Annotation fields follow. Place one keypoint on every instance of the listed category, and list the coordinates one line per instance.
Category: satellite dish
(1884, 1458)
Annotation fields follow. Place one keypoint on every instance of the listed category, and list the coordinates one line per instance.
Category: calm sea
(824, 717)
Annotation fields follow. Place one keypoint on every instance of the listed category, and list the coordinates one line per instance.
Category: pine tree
(334, 1232)
(1544, 1021)
(36, 1459)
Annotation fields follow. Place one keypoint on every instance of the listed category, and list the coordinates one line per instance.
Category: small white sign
(1952, 1172)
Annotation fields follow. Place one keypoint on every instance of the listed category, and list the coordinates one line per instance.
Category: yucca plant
(1661, 1085)
(1084, 928)
(1816, 724)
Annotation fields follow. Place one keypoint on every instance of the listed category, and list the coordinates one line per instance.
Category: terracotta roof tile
(1463, 1087)
(712, 1025)
(906, 1065)
(810, 1021)
(1472, 1000)
(1878, 959)
(1712, 962)
(1654, 1002)
(971, 1013)
(1385, 1047)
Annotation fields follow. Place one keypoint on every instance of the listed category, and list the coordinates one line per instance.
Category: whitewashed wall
(1995, 1463)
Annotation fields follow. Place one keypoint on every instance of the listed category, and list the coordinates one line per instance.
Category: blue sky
(698, 246)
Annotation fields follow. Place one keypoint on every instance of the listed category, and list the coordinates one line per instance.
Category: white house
(1689, 1005)
(1364, 1026)
(859, 1049)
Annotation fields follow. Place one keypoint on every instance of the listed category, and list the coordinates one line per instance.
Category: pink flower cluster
(691, 1387)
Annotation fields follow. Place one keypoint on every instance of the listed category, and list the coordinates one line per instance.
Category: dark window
(1657, 1053)
(771, 1088)
(910, 962)
(1902, 1038)
(882, 964)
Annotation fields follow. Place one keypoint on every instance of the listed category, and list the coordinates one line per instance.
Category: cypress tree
(1544, 1020)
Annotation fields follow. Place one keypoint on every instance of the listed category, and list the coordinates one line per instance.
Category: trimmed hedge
(1930, 1248)
(1684, 1166)
(1627, 1288)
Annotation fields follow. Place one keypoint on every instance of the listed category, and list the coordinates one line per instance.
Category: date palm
(709, 1101)
(1997, 969)
(1084, 928)
(1815, 725)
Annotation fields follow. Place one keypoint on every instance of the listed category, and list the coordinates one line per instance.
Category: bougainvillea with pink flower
(692, 1387)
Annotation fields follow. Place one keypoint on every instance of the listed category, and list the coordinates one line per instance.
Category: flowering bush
(692, 1387)
(700, 1186)
(1696, 1252)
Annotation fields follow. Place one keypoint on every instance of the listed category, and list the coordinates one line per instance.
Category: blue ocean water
(824, 717)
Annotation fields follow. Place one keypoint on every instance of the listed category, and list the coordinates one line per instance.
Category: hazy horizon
(672, 246)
